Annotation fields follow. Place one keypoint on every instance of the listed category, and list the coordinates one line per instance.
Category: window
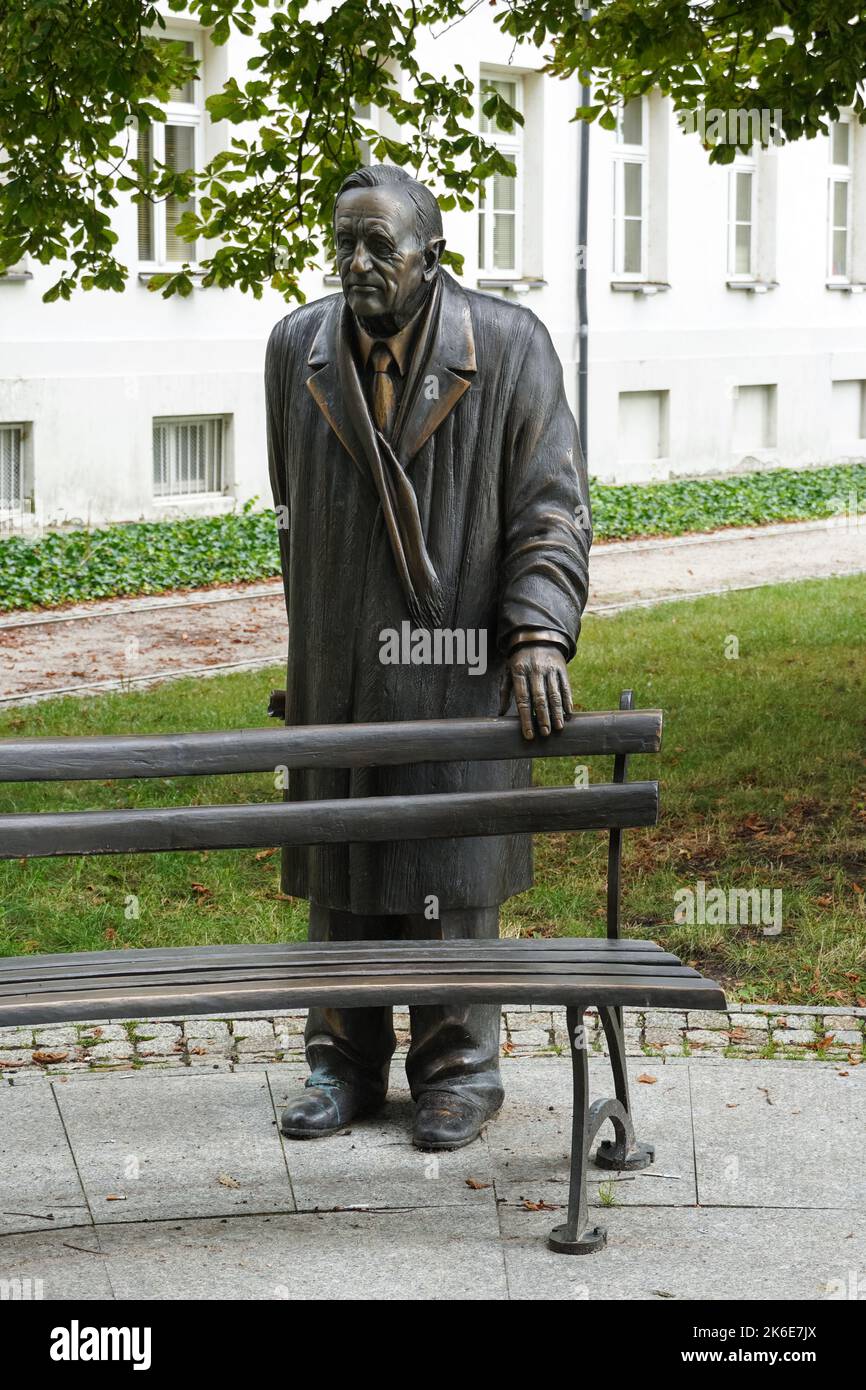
(630, 173)
(849, 411)
(369, 116)
(742, 208)
(839, 203)
(174, 143)
(500, 210)
(643, 426)
(12, 468)
(754, 419)
(188, 455)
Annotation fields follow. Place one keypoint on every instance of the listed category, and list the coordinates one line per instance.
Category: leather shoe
(448, 1120)
(322, 1110)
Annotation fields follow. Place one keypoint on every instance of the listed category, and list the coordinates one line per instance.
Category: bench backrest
(610, 806)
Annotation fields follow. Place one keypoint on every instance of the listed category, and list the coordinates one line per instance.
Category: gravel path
(129, 642)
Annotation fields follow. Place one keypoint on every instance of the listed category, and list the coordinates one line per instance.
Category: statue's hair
(428, 217)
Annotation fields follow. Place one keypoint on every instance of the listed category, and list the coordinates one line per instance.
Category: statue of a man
(429, 485)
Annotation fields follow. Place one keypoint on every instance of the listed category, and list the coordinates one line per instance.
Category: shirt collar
(400, 345)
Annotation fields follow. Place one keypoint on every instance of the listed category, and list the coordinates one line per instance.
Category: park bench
(577, 972)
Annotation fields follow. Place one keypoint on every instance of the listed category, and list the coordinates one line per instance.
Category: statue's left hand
(538, 678)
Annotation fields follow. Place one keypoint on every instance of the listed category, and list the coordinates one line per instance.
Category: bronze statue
(434, 533)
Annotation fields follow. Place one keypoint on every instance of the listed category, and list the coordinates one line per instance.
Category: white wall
(665, 369)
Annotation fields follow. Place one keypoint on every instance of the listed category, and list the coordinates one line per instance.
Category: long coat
(493, 457)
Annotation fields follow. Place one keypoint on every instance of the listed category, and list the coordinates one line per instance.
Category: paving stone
(55, 1267)
(174, 1143)
(373, 1163)
(20, 1057)
(751, 1020)
(426, 1255)
(531, 1037)
(159, 1047)
(658, 1036)
(207, 1028)
(850, 1036)
(845, 1022)
(255, 1035)
(794, 1035)
(529, 1140)
(664, 1018)
(111, 1052)
(104, 1032)
(205, 1047)
(688, 1253)
(58, 1035)
(707, 1018)
(771, 1134)
(158, 1030)
(705, 1037)
(543, 1019)
(39, 1186)
(12, 1038)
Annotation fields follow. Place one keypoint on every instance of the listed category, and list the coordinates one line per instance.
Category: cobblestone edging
(224, 1044)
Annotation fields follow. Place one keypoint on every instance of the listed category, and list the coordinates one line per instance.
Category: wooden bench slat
(639, 991)
(323, 745)
(134, 962)
(243, 826)
(300, 976)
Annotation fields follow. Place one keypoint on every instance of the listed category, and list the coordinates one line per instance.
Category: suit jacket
(491, 451)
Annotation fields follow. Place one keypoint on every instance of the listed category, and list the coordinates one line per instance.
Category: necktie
(384, 391)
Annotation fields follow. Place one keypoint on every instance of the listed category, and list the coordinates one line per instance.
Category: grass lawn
(763, 786)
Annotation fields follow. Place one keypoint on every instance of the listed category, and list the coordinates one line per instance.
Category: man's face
(384, 268)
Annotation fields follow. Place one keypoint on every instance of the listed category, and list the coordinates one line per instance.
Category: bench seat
(570, 971)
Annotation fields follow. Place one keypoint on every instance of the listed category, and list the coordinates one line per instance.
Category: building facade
(727, 313)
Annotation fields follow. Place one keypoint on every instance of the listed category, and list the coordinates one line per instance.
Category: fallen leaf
(201, 888)
(225, 1180)
(843, 1073)
(538, 1206)
(732, 1104)
(264, 854)
(477, 1186)
(647, 1079)
(45, 1057)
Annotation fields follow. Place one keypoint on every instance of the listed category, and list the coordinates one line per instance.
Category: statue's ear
(432, 256)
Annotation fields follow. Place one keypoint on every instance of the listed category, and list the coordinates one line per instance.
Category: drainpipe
(582, 232)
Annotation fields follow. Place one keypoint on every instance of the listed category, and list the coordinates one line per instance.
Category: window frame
(743, 164)
(512, 144)
(23, 430)
(171, 498)
(625, 153)
(840, 174)
(189, 114)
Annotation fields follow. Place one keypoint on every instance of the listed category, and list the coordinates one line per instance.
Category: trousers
(453, 1047)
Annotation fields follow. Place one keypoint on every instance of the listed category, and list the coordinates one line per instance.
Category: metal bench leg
(576, 1237)
(610, 1153)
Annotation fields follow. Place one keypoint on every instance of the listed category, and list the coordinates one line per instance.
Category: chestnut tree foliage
(76, 76)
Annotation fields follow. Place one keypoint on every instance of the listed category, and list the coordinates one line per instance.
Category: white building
(727, 324)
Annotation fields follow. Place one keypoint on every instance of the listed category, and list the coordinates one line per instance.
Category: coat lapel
(325, 387)
(439, 383)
